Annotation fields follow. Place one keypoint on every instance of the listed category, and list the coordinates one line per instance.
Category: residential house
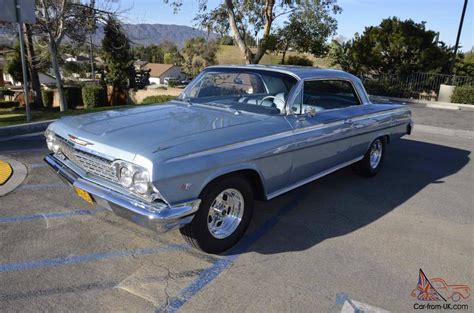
(162, 73)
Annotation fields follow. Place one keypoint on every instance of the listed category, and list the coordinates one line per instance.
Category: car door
(322, 141)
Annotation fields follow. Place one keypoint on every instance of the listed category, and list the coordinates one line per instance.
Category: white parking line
(352, 306)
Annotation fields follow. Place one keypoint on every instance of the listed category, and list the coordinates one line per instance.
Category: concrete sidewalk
(22, 129)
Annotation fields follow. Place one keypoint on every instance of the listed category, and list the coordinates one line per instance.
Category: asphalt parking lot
(341, 237)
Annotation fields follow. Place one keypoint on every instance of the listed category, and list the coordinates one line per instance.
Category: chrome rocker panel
(156, 216)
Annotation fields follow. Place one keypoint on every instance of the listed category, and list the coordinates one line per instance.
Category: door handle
(348, 121)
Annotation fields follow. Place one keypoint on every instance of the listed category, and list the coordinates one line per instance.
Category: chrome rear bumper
(157, 216)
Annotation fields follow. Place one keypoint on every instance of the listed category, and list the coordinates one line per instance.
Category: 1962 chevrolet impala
(235, 134)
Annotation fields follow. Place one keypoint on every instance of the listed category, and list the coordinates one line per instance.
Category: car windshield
(258, 91)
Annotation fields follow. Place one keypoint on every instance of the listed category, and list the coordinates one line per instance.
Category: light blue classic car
(235, 134)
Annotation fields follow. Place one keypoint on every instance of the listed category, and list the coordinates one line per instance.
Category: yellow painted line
(5, 172)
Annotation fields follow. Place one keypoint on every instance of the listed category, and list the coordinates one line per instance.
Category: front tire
(223, 216)
(372, 162)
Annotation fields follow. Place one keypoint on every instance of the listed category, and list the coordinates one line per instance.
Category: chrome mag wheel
(225, 213)
(376, 153)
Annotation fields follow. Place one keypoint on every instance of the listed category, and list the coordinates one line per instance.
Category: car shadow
(343, 202)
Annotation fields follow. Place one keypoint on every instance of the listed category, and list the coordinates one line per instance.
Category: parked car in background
(234, 135)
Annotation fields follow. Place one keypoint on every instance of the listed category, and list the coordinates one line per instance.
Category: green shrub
(48, 97)
(8, 104)
(173, 83)
(384, 88)
(73, 96)
(299, 60)
(463, 94)
(6, 92)
(157, 99)
(93, 96)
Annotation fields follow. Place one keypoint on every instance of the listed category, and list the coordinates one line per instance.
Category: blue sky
(440, 15)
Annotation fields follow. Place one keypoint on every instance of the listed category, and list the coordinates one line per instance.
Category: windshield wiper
(187, 100)
(223, 106)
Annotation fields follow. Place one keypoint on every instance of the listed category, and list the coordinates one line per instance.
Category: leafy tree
(343, 55)
(58, 19)
(299, 60)
(465, 64)
(171, 52)
(151, 53)
(308, 29)
(118, 59)
(395, 47)
(13, 64)
(226, 40)
(198, 53)
(243, 17)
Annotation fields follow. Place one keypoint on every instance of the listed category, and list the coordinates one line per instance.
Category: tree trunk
(283, 57)
(237, 36)
(32, 64)
(269, 4)
(54, 61)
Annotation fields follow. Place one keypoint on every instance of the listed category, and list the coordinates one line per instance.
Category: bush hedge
(157, 99)
(6, 92)
(48, 96)
(299, 60)
(93, 96)
(463, 94)
(383, 88)
(8, 104)
(73, 96)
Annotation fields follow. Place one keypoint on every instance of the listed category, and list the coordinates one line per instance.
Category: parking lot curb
(431, 104)
(23, 129)
(444, 131)
(19, 173)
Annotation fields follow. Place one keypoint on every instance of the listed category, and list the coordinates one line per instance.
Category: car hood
(159, 126)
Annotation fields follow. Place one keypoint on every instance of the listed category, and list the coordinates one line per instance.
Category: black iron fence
(422, 86)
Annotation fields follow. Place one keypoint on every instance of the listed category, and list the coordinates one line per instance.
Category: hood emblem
(79, 141)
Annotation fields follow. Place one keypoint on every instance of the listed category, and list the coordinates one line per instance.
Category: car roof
(299, 72)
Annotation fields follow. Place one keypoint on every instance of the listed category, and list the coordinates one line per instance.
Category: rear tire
(223, 216)
(373, 159)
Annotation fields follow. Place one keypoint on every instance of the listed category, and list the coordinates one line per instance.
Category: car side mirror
(310, 111)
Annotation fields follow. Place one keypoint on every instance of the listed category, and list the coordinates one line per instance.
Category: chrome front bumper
(157, 216)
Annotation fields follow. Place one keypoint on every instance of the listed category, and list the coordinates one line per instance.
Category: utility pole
(23, 63)
(456, 46)
(91, 57)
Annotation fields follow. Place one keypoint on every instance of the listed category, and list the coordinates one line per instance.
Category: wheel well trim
(385, 137)
(237, 169)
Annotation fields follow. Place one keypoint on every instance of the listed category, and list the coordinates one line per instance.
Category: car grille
(88, 162)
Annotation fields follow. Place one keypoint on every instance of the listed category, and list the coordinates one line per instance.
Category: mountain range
(147, 34)
(139, 34)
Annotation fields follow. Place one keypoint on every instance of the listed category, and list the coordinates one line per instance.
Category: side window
(298, 103)
(329, 94)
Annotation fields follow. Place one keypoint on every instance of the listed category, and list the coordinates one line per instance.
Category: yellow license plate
(84, 195)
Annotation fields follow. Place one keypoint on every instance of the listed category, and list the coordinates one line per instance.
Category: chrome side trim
(281, 135)
(312, 178)
(378, 114)
(247, 67)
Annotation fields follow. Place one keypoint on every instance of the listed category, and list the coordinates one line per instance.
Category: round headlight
(140, 182)
(51, 141)
(126, 176)
(49, 135)
(55, 146)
